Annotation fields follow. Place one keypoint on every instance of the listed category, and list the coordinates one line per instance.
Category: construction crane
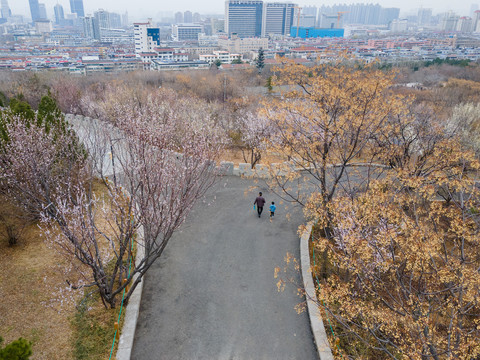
(298, 17)
(339, 16)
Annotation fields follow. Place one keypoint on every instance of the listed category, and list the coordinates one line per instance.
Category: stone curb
(316, 323)
(125, 344)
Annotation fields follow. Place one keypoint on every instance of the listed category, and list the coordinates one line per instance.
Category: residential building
(218, 26)
(399, 26)
(182, 32)
(125, 21)
(242, 46)
(207, 40)
(59, 14)
(244, 18)
(196, 18)
(310, 10)
(179, 65)
(187, 17)
(115, 20)
(424, 16)
(146, 37)
(277, 18)
(76, 7)
(476, 21)
(91, 28)
(224, 56)
(178, 17)
(5, 11)
(450, 21)
(465, 24)
(305, 20)
(34, 10)
(43, 26)
(330, 21)
(103, 18)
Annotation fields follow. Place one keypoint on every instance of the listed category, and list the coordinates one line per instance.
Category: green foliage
(260, 62)
(268, 85)
(3, 100)
(20, 349)
(218, 63)
(454, 62)
(93, 330)
(22, 108)
(49, 115)
(237, 61)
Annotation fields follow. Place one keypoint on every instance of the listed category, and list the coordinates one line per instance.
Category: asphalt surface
(212, 294)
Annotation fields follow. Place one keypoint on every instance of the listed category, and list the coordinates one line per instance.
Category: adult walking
(259, 201)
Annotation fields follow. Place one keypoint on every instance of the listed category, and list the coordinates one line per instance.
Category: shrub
(20, 349)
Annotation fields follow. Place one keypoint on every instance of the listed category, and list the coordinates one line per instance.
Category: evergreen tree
(260, 63)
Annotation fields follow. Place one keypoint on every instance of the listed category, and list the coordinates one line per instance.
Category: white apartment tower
(146, 37)
(277, 18)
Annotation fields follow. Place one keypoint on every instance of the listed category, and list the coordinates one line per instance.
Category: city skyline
(149, 8)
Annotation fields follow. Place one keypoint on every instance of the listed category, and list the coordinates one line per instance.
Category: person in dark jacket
(259, 201)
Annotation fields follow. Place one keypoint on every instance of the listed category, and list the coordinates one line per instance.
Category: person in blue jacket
(272, 210)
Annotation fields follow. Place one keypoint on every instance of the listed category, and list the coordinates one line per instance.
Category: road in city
(213, 295)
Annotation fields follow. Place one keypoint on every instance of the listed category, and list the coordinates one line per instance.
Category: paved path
(213, 295)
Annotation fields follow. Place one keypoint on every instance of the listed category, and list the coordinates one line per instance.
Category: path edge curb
(125, 344)
(316, 322)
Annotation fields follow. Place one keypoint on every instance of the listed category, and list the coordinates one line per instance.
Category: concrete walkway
(213, 295)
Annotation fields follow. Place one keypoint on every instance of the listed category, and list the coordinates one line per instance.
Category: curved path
(212, 294)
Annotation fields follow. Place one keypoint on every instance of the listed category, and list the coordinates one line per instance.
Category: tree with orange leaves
(404, 264)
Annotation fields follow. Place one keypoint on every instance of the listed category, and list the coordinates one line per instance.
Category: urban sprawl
(81, 43)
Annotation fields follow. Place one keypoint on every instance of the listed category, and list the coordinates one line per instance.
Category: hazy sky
(141, 9)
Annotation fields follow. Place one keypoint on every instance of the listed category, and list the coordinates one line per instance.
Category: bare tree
(158, 153)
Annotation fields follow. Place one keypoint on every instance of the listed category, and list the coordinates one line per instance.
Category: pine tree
(260, 63)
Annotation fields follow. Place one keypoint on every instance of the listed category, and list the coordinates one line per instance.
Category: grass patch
(93, 329)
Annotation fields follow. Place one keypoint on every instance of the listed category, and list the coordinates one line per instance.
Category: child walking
(272, 210)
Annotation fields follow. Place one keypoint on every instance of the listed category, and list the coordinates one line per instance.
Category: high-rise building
(465, 24)
(187, 17)
(304, 20)
(450, 21)
(196, 17)
(59, 14)
(5, 11)
(125, 22)
(103, 18)
(277, 18)
(387, 15)
(360, 13)
(34, 10)
(178, 17)
(476, 21)
(244, 18)
(42, 10)
(91, 29)
(76, 7)
(310, 10)
(146, 37)
(115, 21)
(424, 16)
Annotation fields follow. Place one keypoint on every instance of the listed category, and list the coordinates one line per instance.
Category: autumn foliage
(398, 236)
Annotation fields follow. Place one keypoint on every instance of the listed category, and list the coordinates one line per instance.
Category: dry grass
(35, 302)
(235, 155)
(31, 277)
